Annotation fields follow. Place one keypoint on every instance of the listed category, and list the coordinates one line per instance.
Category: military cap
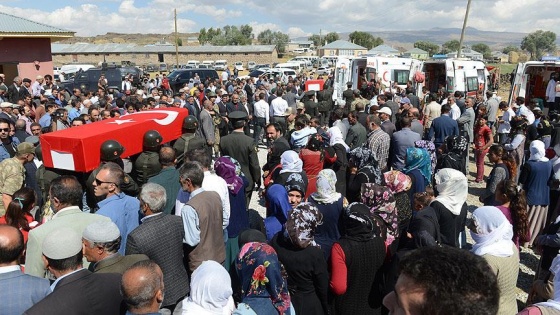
(25, 148)
(238, 115)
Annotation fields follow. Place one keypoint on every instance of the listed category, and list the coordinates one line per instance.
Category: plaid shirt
(379, 142)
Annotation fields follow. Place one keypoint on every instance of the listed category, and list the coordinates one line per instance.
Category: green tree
(247, 31)
(509, 48)
(450, 46)
(179, 41)
(265, 37)
(483, 49)
(331, 37)
(430, 47)
(316, 39)
(279, 39)
(202, 36)
(539, 42)
(365, 39)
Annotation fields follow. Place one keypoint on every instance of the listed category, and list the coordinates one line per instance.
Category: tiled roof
(13, 25)
(416, 51)
(342, 44)
(84, 48)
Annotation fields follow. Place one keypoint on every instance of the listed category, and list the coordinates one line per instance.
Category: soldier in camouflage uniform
(190, 139)
(12, 173)
(147, 164)
(358, 99)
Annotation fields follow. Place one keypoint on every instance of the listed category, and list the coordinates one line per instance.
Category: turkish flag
(78, 148)
(314, 85)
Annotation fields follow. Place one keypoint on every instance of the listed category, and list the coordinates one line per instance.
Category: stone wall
(152, 58)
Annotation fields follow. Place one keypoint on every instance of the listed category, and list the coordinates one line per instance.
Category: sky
(297, 18)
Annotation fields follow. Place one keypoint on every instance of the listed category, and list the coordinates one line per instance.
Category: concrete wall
(144, 59)
(21, 54)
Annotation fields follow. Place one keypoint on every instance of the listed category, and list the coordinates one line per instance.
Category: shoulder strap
(187, 139)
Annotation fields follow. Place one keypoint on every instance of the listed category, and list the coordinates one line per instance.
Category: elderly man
(202, 218)
(115, 204)
(160, 237)
(101, 240)
(142, 288)
(65, 195)
(62, 254)
(24, 290)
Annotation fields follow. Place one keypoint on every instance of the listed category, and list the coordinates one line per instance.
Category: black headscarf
(276, 150)
(357, 224)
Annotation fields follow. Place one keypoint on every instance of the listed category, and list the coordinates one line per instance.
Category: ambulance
(530, 79)
(452, 75)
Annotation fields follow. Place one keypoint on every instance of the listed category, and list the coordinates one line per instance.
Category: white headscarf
(537, 151)
(452, 188)
(336, 137)
(555, 269)
(290, 162)
(493, 233)
(210, 291)
(326, 187)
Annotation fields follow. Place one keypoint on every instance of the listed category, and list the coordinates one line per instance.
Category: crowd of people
(366, 202)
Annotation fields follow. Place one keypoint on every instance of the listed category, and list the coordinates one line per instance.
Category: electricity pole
(177, 43)
(463, 30)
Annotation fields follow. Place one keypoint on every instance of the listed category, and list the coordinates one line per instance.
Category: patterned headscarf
(381, 202)
(326, 190)
(457, 144)
(419, 159)
(238, 171)
(301, 224)
(225, 168)
(261, 278)
(357, 224)
(366, 162)
(431, 148)
(397, 181)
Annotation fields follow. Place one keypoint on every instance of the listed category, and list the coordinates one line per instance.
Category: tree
(331, 37)
(316, 39)
(450, 46)
(279, 39)
(365, 39)
(483, 49)
(202, 36)
(431, 48)
(227, 35)
(179, 41)
(509, 48)
(539, 42)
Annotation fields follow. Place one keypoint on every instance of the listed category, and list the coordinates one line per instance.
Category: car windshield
(255, 73)
(173, 75)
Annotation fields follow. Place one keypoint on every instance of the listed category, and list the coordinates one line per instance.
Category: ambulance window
(401, 76)
(450, 84)
(472, 84)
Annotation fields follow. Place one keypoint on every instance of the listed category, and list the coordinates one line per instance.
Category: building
(467, 53)
(154, 54)
(416, 53)
(341, 48)
(26, 47)
(300, 45)
(500, 57)
(383, 50)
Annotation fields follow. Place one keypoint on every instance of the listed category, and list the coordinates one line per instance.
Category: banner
(78, 148)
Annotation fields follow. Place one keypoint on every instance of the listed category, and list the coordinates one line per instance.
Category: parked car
(253, 74)
(178, 78)
(87, 80)
(323, 71)
(251, 65)
(239, 66)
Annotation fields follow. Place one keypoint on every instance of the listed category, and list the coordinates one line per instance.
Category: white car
(323, 71)
(239, 66)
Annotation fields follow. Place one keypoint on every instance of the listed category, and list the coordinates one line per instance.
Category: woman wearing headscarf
(516, 142)
(419, 167)
(238, 219)
(341, 164)
(450, 204)
(308, 277)
(534, 177)
(292, 168)
(210, 291)
(356, 263)
(330, 204)
(263, 289)
(431, 148)
(453, 154)
(399, 184)
(314, 159)
(382, 208)
(273, 165)
(364, 168)
(277, 210)
(492, 234)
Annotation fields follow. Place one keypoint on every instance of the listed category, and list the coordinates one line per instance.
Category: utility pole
(177, 43)
(463, 30)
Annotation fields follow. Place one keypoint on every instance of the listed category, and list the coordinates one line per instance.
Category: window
(74, 58)
(450, 84)
(472, 84)
(401, 76)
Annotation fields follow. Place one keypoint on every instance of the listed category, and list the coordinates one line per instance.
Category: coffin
(78, 148)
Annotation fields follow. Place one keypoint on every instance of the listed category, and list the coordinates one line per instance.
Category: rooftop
(13, 26)
(343, 44)
(85, 48)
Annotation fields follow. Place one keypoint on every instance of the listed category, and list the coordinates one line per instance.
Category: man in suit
(22, 291)
(207, 127)
(160, 237)
(142, 288)
(385, 115)
(357, 134)
(202, 219)
(76, 290)
(65, 195)
(242, 148)
(443, 126)
(101, 242)
(13, 91)
(401, 141)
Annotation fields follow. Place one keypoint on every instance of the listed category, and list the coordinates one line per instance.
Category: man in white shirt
(504, 126)
(551, 93)
(455, 110)
(278, 107)
(261, 115)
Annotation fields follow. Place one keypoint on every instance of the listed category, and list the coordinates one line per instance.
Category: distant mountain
(438, 35)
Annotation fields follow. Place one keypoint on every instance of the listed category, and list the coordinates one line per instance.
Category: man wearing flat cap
(101, 241)
(12, 173)
(76, 290)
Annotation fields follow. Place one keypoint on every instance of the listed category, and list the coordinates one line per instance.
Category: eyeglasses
(5, 129)
(99, 182)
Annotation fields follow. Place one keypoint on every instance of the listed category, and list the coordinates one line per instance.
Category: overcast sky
(295, 17)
